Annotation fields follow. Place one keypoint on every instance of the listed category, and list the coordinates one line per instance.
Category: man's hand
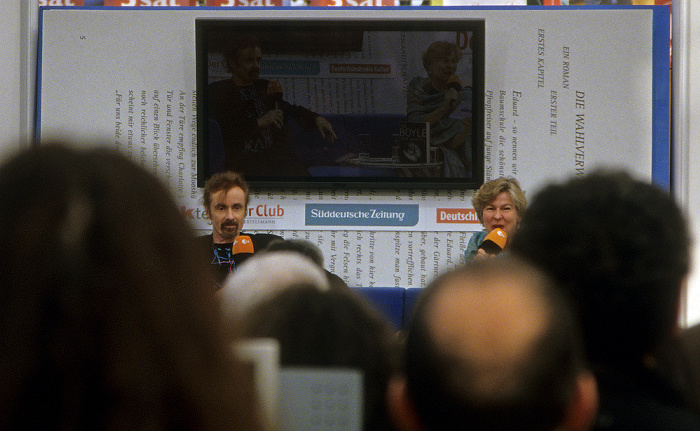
(274, 117)
(326, 129)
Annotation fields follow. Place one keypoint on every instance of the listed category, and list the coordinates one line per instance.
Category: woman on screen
(441, 100)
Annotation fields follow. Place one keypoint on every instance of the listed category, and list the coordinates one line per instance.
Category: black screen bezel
(204, 27)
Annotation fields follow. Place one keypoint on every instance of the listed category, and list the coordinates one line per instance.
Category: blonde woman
(498, 203)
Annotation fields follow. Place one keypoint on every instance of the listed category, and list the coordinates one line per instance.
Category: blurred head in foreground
(334, 328)
(493, 346)
(620, 248)
(108, 321)
(265, 274)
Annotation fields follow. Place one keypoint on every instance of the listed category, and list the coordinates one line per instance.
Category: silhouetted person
(331, 329)
(265, 274)
(493, 346)
(310, 250)
(251, 114)
(108, 321)
(619, 247)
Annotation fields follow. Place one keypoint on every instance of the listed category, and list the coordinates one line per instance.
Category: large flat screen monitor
(342, 100)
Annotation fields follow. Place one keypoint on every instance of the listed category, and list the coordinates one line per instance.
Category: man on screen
(251, 113)
(226, 198)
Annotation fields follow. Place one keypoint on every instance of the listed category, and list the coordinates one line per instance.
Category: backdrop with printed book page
(567, 90)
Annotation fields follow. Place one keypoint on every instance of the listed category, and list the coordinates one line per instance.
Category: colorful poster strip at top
(63, 3)
(150, 2)
(247, 3)
(352, 3)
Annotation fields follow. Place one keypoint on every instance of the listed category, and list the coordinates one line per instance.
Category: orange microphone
(455, 83)
(243, 244)
(494, 242)
(274, 91)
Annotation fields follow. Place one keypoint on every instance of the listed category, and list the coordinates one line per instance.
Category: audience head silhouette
(311, 251)
(301, 246)
(620, 248)
(265, 274)
(331, 329)
(108, 321)
(493, 346)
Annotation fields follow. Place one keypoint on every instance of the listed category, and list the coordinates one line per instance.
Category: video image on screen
(370, 103)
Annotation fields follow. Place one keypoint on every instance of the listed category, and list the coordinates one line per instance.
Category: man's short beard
(228, 234)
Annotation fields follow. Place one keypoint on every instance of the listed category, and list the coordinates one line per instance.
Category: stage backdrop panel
(567, 90)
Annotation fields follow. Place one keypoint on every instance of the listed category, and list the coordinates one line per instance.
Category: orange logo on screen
(244, 3)
(351, 3)
(150, 2)
(457, 215)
